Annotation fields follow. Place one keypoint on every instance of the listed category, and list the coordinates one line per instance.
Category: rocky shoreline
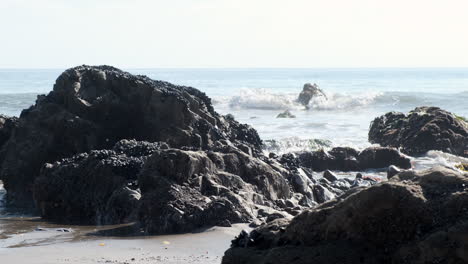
(416, 217)
(107, 147)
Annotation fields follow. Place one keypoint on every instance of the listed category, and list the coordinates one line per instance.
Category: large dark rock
(96, 188)
(421, 130)
(185, 190)
(346, 159)
(91, 108)
(310, 91)
(416, 217)
(380, 157)
(165, 190)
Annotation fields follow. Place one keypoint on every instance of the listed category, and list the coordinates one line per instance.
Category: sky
(233, 33)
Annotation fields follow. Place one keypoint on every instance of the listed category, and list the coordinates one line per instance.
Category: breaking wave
(438, 158)
(263, 99)
(294, 144)
(338, 101)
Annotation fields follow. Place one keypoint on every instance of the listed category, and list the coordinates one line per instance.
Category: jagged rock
(289, 161)
(329, 176)
(416, 217)
(185, 190)
(421, 130)
(165, 190)
(96, 188)
(310, 91)
(92, 108)
(286, 114)
(346, 159)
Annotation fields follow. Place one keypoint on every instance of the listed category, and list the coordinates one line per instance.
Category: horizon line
(239, 68)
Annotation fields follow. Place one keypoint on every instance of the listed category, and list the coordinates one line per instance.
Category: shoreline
(33, 241)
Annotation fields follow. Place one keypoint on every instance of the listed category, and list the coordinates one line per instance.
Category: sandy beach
(32, 241)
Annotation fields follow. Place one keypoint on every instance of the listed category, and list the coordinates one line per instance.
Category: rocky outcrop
(421, 130)
(100, 187)
(166, 190)
(170, 190)
(185, 190)
(92, 108)
(310, 91)
(416, 217)
(346, 159)
(286, 114)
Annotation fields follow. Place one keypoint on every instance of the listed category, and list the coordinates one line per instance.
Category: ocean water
(257, 96)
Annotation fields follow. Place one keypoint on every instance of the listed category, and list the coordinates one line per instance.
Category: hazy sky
(234, 33)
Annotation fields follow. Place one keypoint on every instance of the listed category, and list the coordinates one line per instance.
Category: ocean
(257, 96)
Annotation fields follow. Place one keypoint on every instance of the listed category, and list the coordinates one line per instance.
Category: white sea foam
(263, 99)
(267, 100)
(294, 144)
(338, 101)
(438, 158)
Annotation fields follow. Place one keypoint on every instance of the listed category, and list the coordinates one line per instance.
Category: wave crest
(267, 100)
(295, 144)
(263, 99)
(338, 101)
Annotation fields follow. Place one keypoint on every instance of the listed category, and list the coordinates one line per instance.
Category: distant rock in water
(415, 217)
(308, 92)
(92, 108)
(421, 130)
(286, 114)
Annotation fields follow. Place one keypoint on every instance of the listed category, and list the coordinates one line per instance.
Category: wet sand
(29, 240)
